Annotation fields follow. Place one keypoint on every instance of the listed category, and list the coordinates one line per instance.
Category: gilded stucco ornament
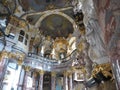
(41, 72)
(20, 59)
(27, 68)
(50, 7)
(17, 10)
(104, 68)
(5, 2)
(17, 56)
(53, 74)
(12, 55)
(3, 54)
(80, 46)
(60, 44)
(60, 40)
(82, 31)
(35, 74)
(65, 73)
(10, 4)
(17, 22)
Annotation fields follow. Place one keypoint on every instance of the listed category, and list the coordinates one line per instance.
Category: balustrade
(46, 64)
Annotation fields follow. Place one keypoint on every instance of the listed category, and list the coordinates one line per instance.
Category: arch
(58, 13)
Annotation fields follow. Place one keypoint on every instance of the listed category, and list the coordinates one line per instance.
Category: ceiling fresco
(42, 5)
(56, 26)
(9, 4)
(32, 19)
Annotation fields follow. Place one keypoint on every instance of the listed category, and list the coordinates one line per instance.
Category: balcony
(40, 62)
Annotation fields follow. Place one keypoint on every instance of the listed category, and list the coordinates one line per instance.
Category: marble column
(24, 80)
(21, 79)
(26, 71)
(40, 87)
(70, 82)
(3, 66)
(65, 81)
(34, 80)
(53, 81)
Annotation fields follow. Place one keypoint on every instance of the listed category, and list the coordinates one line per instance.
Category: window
(23, 37)
(22, 33)
(12, 32)
(26, 39)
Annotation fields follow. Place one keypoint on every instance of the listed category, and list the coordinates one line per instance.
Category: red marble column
(53, 81)
(65, 81)
(41, 80)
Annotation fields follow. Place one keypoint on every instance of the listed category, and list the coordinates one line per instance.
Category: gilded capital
(73, 69)
(80, 46)
(53, 73)
(4, 54)
(70, 75)
(66, 73)
(27, 68)
(41, 72)
(20, 62)
(35, 74)
(82, 31)
(12, 55)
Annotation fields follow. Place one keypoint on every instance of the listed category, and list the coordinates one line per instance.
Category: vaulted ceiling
(42, 5)
(56, 26)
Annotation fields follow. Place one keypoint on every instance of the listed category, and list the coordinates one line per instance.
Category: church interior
(59, 45)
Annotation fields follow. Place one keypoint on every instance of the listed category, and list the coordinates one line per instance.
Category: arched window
(21, 36)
